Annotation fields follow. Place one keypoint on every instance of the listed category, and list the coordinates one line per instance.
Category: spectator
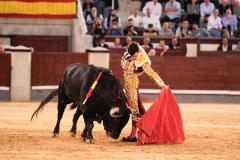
(137, 19)
(108, 7)
(117, 43)
(130, 29)
(146, 44)
(224, 47)
(114, 29)
(163, 47)
(127, 41)
(229, 21)
(110, 18)
(193, 12)
(155, 7)
(165, 31)
(150, 19)
(86, 6)
(150, 32)
(237, 14)
(183, 31)
(206, 8)
(91, 18)
(100, 42)
(199, 32)
(173, 12)
(174, 44)
(152, 53)
(223, 7)
(214, 24)
(97, 28)
(238, 47)
(237, 10)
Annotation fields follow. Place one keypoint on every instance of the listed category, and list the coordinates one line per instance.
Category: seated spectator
(130, 29)
(108, 6)
(97, 28)
(165, 31)
(193, 12)
(173, 12)
(223, 7)
(117, 43)
(146, 44)
(238, 47)
(174, 44)
(86, 6)
(214, 25)
(163, 47)
(150, 19)
(137, 19)
(150, 32)
(152, 53)
(183, 30)
(229, 21)
(100, 42)
(91, 18)
(206, 9)
(155, 7)
(199, 32)
(127, 42)
(114, 29)
(112, 16)
(237, 10)
(224, 47)
(237, 14)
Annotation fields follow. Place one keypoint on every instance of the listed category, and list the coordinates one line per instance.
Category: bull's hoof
(55, 135)
(73, 134)
(89, 141)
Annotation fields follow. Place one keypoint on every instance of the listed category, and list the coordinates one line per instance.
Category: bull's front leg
(75, 119)
(87, 132)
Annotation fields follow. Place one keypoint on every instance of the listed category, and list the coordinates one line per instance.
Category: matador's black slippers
(133, 139)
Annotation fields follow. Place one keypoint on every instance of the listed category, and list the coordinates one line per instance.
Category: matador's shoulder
(142, 58)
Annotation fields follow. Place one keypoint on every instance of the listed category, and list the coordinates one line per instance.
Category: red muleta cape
(162, 123)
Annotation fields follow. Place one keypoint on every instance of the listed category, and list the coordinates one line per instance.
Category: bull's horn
(114, 112)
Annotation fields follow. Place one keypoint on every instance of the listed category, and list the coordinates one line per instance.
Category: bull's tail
(44, 102)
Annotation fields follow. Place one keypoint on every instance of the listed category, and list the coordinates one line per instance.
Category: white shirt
(224, 49)
(206, 9)
(155, 8)
(214, 22)
(151, 20)
(136, 20)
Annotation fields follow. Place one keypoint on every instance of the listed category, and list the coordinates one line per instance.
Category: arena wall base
(20, 89)
(99, 57)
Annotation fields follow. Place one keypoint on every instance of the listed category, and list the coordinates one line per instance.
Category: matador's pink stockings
(134, 123)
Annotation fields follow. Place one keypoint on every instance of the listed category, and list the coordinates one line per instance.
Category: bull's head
(118, 115)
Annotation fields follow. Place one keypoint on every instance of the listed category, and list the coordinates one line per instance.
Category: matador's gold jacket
(132, 68)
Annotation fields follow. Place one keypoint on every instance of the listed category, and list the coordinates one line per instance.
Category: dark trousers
(174, 20)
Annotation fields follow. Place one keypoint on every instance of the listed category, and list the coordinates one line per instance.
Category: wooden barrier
(42, 43)
(48, 68)
(176, 52)
(212, 73)
(5, 70)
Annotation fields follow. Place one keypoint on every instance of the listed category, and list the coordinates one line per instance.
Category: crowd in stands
(166, 18)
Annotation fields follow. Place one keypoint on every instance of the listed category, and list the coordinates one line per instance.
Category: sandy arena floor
(212, 133)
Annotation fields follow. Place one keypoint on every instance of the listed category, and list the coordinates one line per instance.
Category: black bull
(107, 102)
